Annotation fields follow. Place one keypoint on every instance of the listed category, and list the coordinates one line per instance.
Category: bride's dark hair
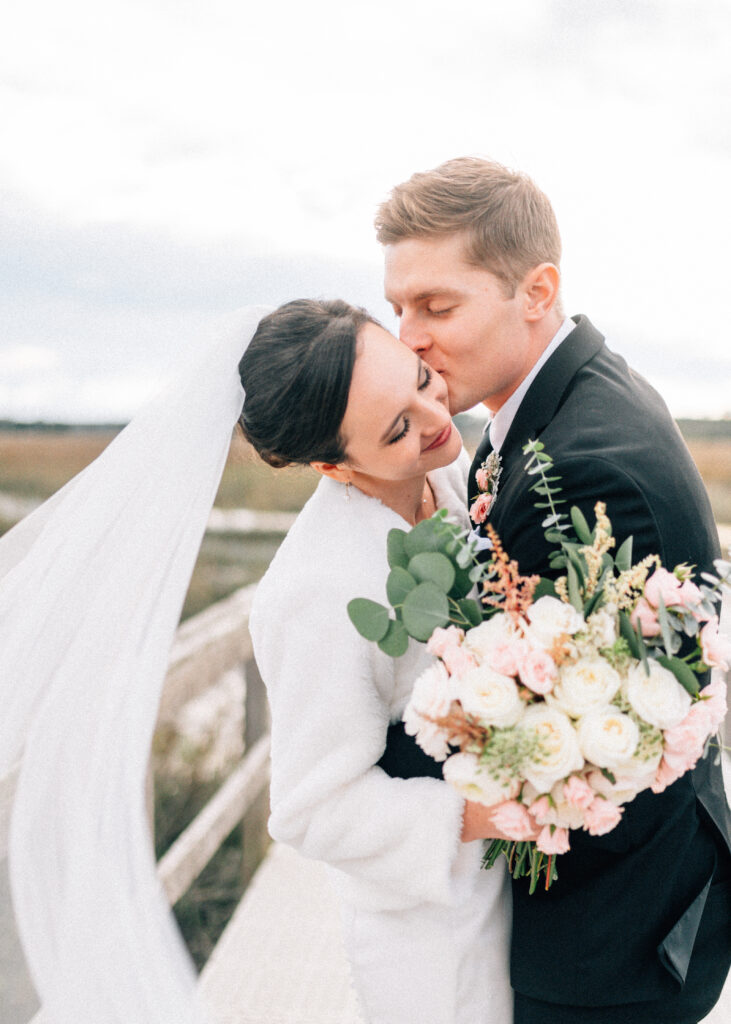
(296, 373)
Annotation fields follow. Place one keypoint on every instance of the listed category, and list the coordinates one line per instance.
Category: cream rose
(557, 753)
(608, 737)
(490, 697)
(658, 697)
(473, 781)
(602, 628)
(586, 685)
(551, 618)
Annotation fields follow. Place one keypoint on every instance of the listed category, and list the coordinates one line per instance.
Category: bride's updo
(296, 373)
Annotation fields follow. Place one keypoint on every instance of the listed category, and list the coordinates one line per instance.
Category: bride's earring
(347, 490)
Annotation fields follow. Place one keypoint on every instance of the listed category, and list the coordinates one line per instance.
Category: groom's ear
(540, 288)
(336, 471)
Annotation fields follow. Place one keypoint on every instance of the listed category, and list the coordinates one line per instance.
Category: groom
(638, 925)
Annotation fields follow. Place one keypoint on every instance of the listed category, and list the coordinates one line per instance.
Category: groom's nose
(413, 334)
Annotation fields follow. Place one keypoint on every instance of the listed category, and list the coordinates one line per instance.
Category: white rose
(608, 737)
(491, 697)
(586, 685)
(551, 618)
(473, 781)
(621, 791)
(658, 698)
(493, 632)
(557, 753)
(431, 698)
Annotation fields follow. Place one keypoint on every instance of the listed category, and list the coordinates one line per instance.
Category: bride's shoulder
(450, 484)
(337, 538)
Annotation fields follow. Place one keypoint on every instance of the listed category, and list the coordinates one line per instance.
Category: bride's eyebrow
(392, 427)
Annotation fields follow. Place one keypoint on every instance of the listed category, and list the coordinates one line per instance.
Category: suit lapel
(546, 392)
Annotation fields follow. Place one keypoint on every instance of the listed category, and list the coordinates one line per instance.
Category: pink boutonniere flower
(487, 479)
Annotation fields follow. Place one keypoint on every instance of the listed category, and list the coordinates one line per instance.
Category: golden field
(35, 463)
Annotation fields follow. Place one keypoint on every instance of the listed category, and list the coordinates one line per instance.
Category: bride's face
(397, 424)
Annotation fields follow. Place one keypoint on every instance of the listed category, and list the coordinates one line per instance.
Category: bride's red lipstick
(441, 439)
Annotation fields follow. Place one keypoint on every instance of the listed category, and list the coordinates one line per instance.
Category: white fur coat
(412, 889)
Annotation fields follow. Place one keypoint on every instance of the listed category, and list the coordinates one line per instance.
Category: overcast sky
(164, 161)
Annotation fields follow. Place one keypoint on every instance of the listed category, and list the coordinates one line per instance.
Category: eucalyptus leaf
(396, 640)
(462, 584)
(545, 588)
(422, 537)
(433, 566)
(471, 611)
(424, 608)
(627, 630)
(665, 627)
(395, 549)
(581, 527)
(398, 585)
(623, 558)
(369, 618)
(574, 589)
(682, 672)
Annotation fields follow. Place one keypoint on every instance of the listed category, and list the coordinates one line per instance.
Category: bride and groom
(636, 929)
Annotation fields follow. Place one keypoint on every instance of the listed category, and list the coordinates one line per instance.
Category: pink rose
(665, 776)
(601, 816)
(665, 585)
(714, 702)
(505, 657)
(483, 478)
(480, 507)
(553, 840)
(691, 596)
(458, 661)
(537, 670)
(513, 820)
(644, 616)
(716, 649)
(444, 639)
(541, 809)
(578, 792)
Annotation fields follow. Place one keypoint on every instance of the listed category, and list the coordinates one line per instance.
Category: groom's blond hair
(508, 224)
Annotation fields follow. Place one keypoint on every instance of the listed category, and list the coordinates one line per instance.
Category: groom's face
(459, 318)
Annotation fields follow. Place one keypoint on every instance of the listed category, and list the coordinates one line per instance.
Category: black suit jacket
(618, 925)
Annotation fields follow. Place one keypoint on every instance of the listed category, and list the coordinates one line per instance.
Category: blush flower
(601, 816)
(716, 648)
(482, 478)
(645, 616)
(663, 586)
(480, 508)
(578, 792)
(552, 840)
(537, 670)
(431, 698)
(497, 642)
(513, 819)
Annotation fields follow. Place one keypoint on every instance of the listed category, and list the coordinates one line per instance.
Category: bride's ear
(336, 471)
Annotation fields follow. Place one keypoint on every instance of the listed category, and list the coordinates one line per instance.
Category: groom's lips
(441, 439)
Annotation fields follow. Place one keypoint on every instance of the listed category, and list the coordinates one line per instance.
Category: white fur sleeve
(397, 840)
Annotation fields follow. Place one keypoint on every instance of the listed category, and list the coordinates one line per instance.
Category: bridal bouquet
(555, 702)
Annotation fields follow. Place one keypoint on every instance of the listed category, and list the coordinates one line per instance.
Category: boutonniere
(487, 478)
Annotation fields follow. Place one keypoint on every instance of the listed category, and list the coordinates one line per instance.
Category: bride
(91, 587)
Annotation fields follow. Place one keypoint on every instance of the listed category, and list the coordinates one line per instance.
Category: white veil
(91, 589)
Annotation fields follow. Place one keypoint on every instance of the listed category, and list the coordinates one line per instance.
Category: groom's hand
(477, 823)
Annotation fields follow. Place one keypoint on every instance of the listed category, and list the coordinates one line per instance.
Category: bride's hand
(477, 823)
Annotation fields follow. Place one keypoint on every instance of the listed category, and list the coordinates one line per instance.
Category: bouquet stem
(524, 859)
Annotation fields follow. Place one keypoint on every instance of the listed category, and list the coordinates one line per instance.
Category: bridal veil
(91, 589)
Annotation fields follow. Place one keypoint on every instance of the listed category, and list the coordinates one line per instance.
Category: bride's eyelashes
(428, 376)
(403, 432)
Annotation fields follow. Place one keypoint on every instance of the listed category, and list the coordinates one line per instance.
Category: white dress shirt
(500, 423)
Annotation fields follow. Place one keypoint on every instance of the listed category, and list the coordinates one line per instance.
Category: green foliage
(424, 609)
(369, 618)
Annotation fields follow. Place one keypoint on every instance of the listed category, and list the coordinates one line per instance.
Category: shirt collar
(500, 423)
